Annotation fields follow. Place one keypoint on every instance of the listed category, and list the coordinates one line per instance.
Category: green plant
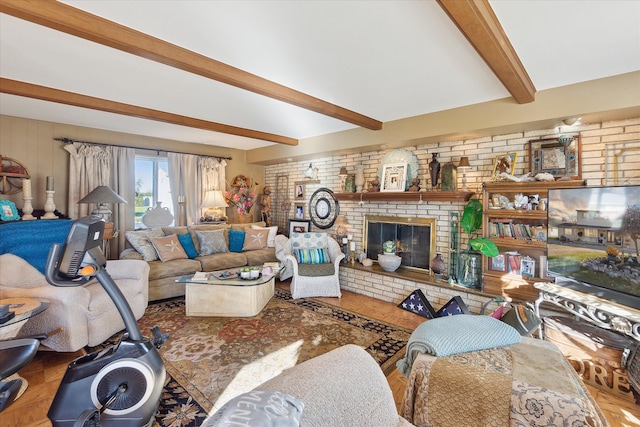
(471, 222)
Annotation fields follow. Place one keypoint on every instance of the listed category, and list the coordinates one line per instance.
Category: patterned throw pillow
(309, 240)
(141, 242)
(255, 239)
(211, 242)
(168, 247)
(271, 239)
(236, 240)
(312, 256)
(187, 244)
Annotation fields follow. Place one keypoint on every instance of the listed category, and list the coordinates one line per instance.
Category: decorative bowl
(389, 262)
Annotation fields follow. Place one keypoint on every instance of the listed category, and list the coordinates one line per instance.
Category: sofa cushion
(316, 270)
(187, 244)
(141, 241)
(255, 239)
(260, 256)
(173, 268)
(168, 247)
(236, 240)
(211, 242)
(244, 226)
(207, 227)
(272, 234)
(223, 261)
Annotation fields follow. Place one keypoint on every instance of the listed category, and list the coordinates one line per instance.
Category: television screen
(593, 239)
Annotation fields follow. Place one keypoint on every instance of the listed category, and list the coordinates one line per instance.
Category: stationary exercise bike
(120, 385)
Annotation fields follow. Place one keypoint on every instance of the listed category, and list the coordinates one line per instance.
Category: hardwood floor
(46, 370)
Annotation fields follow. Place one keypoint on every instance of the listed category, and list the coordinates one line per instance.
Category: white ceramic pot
(389, 262)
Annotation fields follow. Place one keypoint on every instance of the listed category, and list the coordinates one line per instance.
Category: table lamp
(464, 165)
(213, 201)
(101, 195)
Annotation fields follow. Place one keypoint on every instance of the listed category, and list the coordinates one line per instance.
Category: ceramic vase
(437, 264)
(359, 178)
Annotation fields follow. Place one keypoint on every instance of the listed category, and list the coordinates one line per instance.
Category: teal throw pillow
(187, 245)
(236, 240)
(312, 256)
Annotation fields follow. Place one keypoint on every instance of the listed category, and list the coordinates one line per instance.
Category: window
(152, 185)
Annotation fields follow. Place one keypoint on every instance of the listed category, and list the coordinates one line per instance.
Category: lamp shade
(102, 194)
(464, 163)
(343, 171)
(214, 199)
(341, 221)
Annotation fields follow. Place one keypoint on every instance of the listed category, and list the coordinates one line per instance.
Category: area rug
(209, 360)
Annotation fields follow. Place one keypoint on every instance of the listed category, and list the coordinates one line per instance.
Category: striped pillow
(312, 256)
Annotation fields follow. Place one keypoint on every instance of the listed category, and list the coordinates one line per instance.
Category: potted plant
(470, 260)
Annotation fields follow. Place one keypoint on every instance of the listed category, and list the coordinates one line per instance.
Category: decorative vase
(434, 170)
(449, 177)
(437, 264)
(350, 184)
(245, 218)
(389, 262)
(389, 247)
(470, 268)
(157, 217)
(359, 178)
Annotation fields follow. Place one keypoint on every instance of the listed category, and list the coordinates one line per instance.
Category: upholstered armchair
(86, 313)
(312, 261)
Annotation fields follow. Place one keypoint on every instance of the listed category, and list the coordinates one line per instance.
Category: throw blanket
(461, 333)
(31, 240)
(526, 384)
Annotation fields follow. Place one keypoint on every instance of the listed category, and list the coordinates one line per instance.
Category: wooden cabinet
(519, 234)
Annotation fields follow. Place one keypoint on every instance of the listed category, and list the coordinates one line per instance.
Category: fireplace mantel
(407, 196)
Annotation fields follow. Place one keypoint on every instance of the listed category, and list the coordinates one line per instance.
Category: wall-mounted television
(593, 239)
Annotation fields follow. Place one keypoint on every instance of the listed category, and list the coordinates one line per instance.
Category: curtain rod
(71, 141)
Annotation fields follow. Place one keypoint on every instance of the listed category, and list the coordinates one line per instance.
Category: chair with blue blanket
(85, 313)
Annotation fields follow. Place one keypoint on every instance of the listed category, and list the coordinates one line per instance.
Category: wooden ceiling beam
(479, 24)
(70, 20)
(28, 90)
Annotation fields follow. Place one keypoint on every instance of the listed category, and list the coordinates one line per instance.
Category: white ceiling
(387, 60)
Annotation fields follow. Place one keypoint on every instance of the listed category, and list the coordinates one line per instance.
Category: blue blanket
(461, 333)
(31, 240)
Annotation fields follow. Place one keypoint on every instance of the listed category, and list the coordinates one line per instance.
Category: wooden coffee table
(229, 297)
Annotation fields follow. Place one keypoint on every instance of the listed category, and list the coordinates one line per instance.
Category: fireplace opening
(415, 239)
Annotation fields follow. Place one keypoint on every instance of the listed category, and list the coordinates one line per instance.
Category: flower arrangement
(242, 198)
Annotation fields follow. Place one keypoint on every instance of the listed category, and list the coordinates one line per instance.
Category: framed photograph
(299, 226)
(559, 156)
(298, 210)
(299, 190)
(8, 211)
(394, 177)
(498, 262)
(527, 267)
(504, 163)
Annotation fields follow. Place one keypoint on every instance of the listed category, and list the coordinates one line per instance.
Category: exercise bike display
(120, 385)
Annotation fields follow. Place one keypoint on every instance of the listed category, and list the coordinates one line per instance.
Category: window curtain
(191, 176)
(94, 165)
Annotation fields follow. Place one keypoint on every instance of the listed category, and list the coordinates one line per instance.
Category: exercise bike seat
(16, 354)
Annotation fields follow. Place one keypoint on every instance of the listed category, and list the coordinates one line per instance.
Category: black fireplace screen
(415, 238)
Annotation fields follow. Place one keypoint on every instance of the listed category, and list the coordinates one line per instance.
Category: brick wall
(610, 156)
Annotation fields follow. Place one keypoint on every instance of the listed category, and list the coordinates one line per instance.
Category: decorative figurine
(374, 186)
(415, 185)
(265, 203)
(434, 170)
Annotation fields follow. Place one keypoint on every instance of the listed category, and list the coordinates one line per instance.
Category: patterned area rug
(209, 360)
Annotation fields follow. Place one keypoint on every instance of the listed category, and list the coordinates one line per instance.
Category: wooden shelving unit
(11, 182)
(505, 283)
(407, 196)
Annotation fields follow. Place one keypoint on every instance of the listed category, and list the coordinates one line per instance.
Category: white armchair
(310, 280)
(86, 313)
